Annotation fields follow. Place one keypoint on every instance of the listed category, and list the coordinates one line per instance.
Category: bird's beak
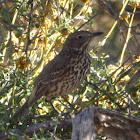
(97, 33)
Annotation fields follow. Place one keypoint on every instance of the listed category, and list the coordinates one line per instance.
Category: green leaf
(123, 75)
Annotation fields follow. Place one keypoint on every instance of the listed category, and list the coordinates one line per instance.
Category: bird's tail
(20, 111)
(32, 98)
(25, 106)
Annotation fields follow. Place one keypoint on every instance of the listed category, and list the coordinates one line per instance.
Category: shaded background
(32, 32)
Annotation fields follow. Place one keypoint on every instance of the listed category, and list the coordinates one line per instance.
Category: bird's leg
(65, 99)
(55, 111)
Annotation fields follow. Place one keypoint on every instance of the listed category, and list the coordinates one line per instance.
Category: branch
(106, 123)
(88, 124)
(46, 126)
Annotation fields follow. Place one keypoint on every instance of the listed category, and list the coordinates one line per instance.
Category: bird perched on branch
(66, 71)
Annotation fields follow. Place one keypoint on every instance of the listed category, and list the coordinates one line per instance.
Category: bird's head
(79, 40)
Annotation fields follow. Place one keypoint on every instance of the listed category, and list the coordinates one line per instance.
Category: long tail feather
(21, 110)
(32, 98)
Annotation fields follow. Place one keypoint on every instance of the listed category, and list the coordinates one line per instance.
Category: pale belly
(71, 80)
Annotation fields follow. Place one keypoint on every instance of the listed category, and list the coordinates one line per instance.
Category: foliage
(32, 32)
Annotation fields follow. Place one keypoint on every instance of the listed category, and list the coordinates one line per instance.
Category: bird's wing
(51, 74)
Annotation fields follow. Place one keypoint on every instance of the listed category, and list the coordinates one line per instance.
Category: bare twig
(106, 123)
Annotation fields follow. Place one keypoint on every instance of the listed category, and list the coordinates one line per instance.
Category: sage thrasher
(66, 71)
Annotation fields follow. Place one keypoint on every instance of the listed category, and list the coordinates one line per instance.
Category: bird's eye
(79, 36)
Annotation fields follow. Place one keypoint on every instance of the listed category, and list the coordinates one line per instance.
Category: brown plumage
(66, 71)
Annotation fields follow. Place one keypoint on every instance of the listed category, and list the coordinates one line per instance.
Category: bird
(65, 72)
